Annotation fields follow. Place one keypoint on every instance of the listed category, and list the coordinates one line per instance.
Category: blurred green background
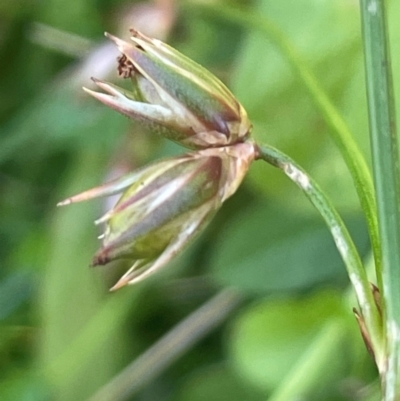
(283, 312)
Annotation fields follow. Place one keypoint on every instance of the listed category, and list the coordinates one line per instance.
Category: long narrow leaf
(387, 178)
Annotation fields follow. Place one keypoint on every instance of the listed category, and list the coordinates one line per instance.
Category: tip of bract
(121, 44)
(121, 283)
(64, 202)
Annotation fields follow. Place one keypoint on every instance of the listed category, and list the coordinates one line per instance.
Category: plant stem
(169, 348)
(341, 236)
(340, 131)
(387, 178)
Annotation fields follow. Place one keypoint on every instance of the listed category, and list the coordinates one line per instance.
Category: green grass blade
(70, 296)
(387, 177)
(306, 372)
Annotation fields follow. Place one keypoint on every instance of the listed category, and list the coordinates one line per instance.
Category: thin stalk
(387, 177)
(340, 132)
(342, 238)
(169, 348)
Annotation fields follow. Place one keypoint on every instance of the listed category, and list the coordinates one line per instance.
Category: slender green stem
(340, 131)
(341, 236)
(387, 177)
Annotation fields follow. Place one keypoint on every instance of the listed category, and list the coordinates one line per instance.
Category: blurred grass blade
(387, 177)
(102, 328)
(340, 131)
(70, 298)
(169, 348)
(59, 40)
(305, 374)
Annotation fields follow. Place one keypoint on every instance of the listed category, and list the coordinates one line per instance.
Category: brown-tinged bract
(174, 96)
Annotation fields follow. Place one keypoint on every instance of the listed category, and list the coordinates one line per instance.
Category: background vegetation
(280, 314)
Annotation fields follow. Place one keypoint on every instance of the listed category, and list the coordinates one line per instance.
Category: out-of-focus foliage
(62, 335)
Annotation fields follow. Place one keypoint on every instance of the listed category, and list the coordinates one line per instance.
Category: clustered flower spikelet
(164, 205)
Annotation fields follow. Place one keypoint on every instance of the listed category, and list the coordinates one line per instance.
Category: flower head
(164, 206)
(174, 96)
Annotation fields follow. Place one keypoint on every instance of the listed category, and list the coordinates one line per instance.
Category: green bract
(164, 206)
(174, 96)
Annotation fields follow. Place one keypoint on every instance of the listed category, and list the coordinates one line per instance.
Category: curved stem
(342, 238)
(340, 132)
